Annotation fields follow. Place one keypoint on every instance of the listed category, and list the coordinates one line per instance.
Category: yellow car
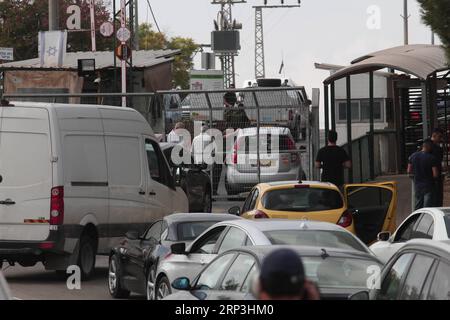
(364, 209)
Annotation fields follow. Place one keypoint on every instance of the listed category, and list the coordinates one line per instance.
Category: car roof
(187, 217)
(441, 248)
(294, 183)
(262, 251)
(283, 224)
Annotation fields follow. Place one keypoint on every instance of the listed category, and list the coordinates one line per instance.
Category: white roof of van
(264, 130)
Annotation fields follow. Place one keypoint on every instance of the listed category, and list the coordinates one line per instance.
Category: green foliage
(436, 14)
(150, 39)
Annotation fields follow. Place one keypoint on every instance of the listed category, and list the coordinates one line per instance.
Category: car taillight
(234, 158)
(261, 215)
(346, 219)
(57, 206)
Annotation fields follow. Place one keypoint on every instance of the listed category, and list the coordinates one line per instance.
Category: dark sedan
(339, 273)
(192, 178)
(132, 264)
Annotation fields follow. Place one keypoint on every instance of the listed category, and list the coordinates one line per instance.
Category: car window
(404, 233)
(237, 273)
(247, 202)
(157, 164)
(252, 205)
(302, 200)
(154, 232)
(315, 238)
(233, 239)
(416, 277)
(207, 243)
(390, 286)
(422, 228)
(188, 231)
(248, 280)
(211, 275)
(440, 289)
(447, 224)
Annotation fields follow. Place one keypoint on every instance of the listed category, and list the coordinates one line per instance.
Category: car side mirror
(182, 284)
(384, 236)
(235, 211)
(178, 248)
(362, 295)
(132, 235)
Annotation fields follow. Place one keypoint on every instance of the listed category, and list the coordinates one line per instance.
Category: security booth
(418, 85)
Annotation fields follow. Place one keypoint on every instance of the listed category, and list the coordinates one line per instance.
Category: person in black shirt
(438, 153)
(423, 168)
(333, 160)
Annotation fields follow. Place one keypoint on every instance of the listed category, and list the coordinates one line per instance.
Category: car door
(384, 250)
(250, 204)
(137, 252)
(161, 193)
(374, 207)
(416, 277)
(440, 285)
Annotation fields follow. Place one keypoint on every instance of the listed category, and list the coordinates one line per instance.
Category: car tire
(230, 190)
(207, 202)
(163, 288)
(150, 286)
(87, 256)
(115, 279)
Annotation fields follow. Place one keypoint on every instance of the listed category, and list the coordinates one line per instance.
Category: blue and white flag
(52, 48)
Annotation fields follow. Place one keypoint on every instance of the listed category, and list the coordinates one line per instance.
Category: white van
(74, 179)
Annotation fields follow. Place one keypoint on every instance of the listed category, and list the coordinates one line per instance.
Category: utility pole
(405, 17)
(227, 24)
(260, 68)
(53, 15)
(136, 25)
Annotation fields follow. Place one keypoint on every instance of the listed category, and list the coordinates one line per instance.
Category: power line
(153, 15)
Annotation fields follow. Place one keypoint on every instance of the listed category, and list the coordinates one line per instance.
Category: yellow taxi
(363, 209)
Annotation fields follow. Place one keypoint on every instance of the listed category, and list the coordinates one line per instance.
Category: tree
(149, 39)
(436, 14)
(20, 21)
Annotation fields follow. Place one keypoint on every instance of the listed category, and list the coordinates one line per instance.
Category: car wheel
(150, 286)
(87, 256)
(230, 190)
(115, 279)
(163, 288)
(207, 202)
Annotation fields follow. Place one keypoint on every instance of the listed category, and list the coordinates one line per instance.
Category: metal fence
(265, 134)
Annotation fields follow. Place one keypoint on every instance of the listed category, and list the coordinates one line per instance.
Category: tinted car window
(234, 279)
(233, 239)
(207, 243)
(405, 232)
(423, 226)
(154, 232)
(390, 286)
(440, 289)
(248, 201)
(302, 199)
(447, 224)
(188, 231)
(213, 272)
(416, 277)
(252, 204)
(315, 238)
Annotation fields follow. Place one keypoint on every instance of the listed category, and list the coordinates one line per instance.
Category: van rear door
(25, 173)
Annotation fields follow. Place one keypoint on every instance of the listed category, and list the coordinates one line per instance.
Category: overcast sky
(328, 31)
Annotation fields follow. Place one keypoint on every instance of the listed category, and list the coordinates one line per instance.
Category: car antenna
(324, 254)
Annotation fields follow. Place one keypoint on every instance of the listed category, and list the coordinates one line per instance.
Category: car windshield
(302, 199)
(447, 224)
(188, 231)
(340, 272)
(315, 238)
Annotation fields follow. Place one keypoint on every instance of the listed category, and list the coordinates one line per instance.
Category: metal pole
(208, 101)
(424, 110)
(371, 134)
(123, 63)
(326, 112)
(405, 22)
(258, 123)
(333, 107)
(53, 15)
(114, 46)
(136, 25)
(349, 127)
(446, 126)
(92, 13)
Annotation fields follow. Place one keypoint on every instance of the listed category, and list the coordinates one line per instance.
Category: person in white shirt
(199, 143)
(173, 137)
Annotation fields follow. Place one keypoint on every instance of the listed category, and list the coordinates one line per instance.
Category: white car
(4, 290)
(428, 223)
(223, 236)
(74, 179)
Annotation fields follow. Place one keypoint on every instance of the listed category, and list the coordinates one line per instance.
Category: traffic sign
(107, 29)
(123, 34)
(7, 54)
(123, 52)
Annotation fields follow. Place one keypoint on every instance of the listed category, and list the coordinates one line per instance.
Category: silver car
(283, 164)
(223, 236)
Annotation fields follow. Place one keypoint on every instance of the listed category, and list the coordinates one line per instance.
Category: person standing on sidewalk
(438, 153)
(423, 168)
(333, 159)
